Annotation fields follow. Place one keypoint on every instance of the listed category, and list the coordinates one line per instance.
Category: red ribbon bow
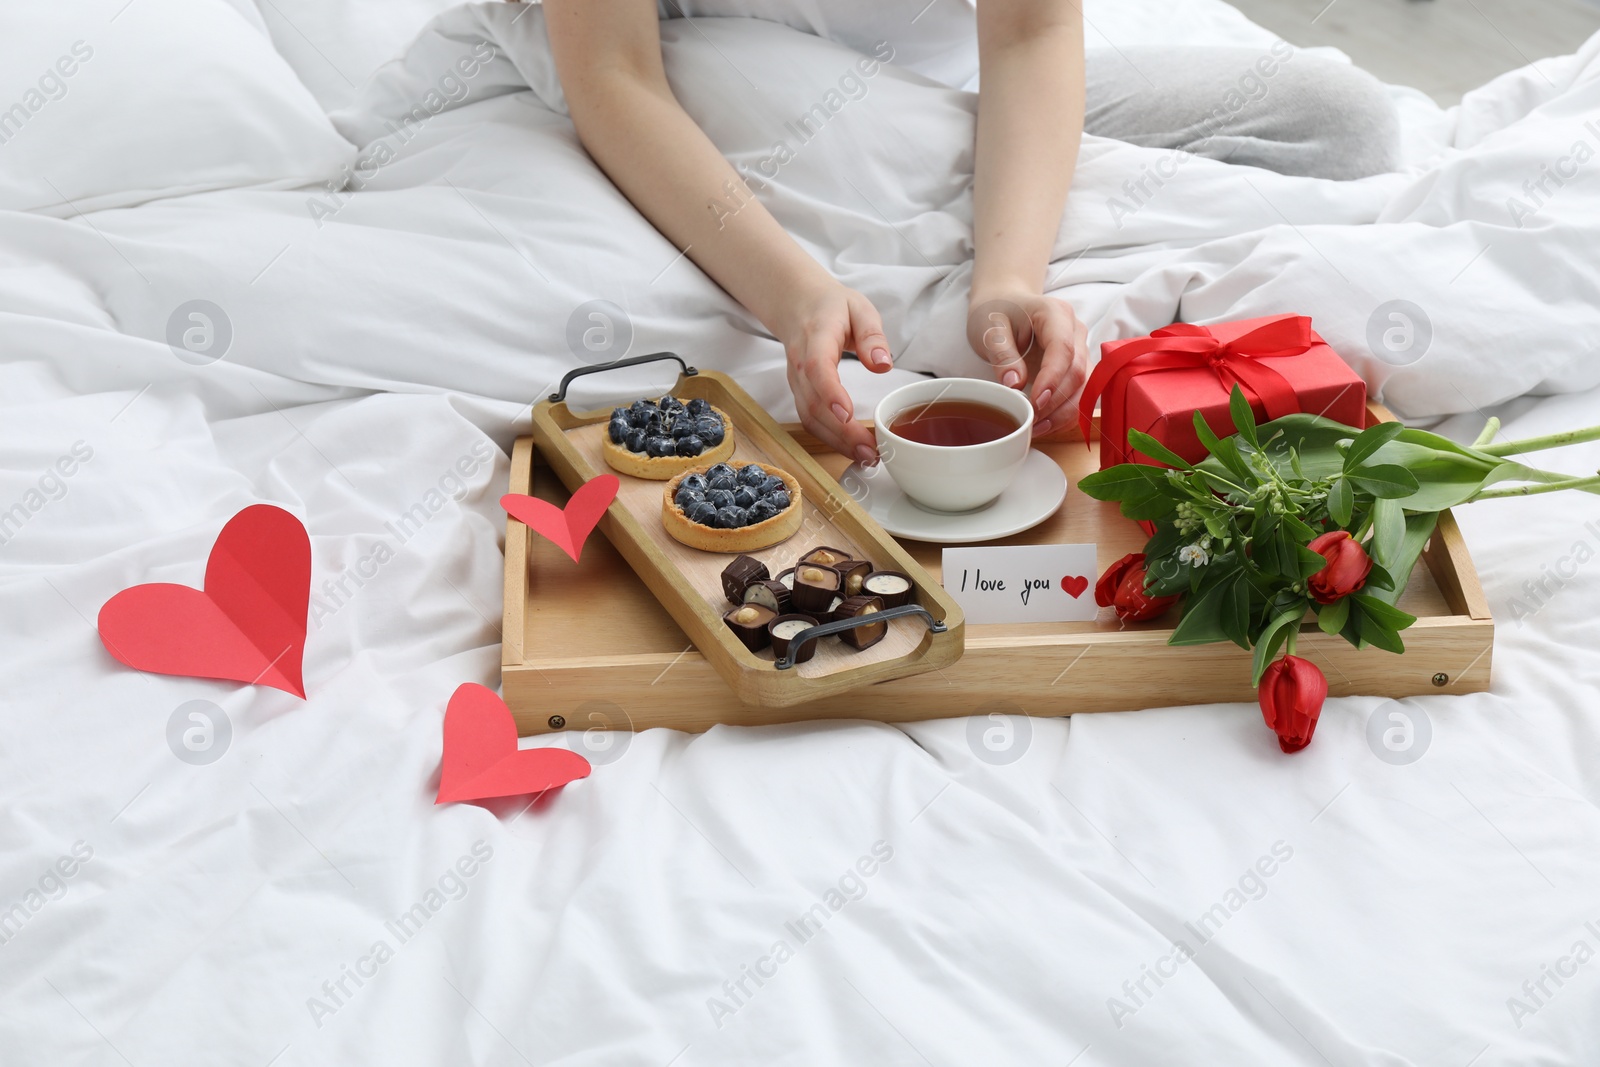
(1186, 345)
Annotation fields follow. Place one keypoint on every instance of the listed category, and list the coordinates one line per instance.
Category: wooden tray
(688, 582)
(647, 672)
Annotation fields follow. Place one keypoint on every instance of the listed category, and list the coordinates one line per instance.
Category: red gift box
(1157, 383)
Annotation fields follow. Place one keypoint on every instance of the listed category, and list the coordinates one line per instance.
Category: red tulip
(1291, 693)
(1346, 570)
(1122, 587)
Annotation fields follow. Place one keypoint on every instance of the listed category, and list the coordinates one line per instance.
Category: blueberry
(691, 445)
(732, 518)
(744, 496)
(660, 446)
(710, 430)
(720, 498)
(718, 468)
(618, 429)
(698, 407)
(697, 482)
(670, 403)
(722, 481)
(779, 500)
(619, 413)
(640, 410)
(682, 427)
(761, 511)
(773, 484)
(635, 440)
(751, 474)
(655, 425)
(685, 496)
(702, 512)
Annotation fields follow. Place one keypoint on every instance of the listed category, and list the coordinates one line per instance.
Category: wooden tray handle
(632, 361)
(839, 626)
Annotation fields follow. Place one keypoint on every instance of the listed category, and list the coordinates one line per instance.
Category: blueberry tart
(702, 507)
(660, 439)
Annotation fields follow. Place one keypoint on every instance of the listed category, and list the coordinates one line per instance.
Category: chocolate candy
(739, 574)
(825, 555)
(862, 636)
(814, 587)
(892, 587)
(787, 577)
(769, 593)
(832, 614)
(852, 571)
(784, 628)
(749, 624)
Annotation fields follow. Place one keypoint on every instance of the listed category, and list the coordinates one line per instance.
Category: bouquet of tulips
(1301, 514)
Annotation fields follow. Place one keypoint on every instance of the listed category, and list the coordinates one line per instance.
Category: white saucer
(1032, 497)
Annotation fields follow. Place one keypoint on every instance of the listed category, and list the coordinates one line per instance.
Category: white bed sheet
(1012, 913)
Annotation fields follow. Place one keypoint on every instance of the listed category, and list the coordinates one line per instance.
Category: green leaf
(1388, 532)
(1202, 619)
(1123, 480)
(1143, 442)
(1369, 441)
(1378, 578)
(1310, 562)
(1387, 614)
(1341, 501)
(1244, 420)
(1154, 506)
(1202, 430)
(1385, 480)
(1226, 457)
(1273, 638)
(1419, 528)
(1298, 528)
(1236, 608)
(1332, 617)
(1373, 632)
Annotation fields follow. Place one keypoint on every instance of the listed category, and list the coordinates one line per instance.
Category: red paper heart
(1074, 584)
(568, 528)
(481, 758)
(247, 625)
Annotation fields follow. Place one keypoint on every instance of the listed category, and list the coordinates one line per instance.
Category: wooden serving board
(687, 582)
(645, 672)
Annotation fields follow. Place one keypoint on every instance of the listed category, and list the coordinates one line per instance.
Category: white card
(1023, 583)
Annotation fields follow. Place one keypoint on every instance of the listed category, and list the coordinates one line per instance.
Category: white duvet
(1146, 888)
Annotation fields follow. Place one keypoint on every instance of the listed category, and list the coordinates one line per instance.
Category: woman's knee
(1338, 117)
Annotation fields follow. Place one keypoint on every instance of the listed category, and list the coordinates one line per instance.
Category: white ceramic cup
(954, 477)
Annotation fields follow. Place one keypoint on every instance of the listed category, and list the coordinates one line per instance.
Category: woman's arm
(1030, 120)
(608, 56)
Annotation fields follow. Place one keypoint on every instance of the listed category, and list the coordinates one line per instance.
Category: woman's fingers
(825, 406)
(1062, 366)
(1002, 333)
(866, 328)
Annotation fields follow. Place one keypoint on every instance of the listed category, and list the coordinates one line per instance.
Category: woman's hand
(822, 323)
(1032, 338)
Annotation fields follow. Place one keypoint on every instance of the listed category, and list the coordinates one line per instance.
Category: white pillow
(107, 103)
(335, 45)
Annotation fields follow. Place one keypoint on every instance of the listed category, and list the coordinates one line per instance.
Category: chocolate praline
(749, 624)
(862, 636)
(781, 638)
(815, 586)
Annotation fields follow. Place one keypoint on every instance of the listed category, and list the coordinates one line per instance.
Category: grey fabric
(1287, 112)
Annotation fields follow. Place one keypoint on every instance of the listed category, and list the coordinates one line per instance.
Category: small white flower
(1193, 555)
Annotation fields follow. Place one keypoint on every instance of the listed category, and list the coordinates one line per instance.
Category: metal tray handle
(839, 626)
(632, 361)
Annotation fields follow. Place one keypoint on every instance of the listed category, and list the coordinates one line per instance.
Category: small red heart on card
(567, 528)
(481, 758)
(1074, 584)
(247, 625)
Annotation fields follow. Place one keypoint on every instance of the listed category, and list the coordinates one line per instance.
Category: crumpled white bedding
(1153, 887)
